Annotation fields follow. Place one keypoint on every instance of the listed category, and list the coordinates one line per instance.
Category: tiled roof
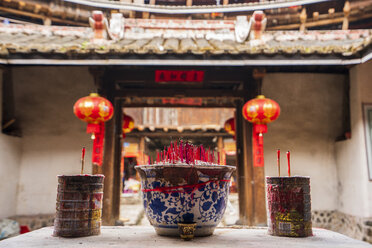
(161, 38)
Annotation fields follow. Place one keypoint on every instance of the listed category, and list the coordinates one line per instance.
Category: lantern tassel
(260, 139)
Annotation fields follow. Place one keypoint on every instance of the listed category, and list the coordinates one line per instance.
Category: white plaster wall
(10, 153)
(310, 121)
(355, 189)
(52, 135)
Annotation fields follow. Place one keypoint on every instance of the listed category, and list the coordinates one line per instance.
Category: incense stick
(289, 163)
(82, 159)
(278, 161)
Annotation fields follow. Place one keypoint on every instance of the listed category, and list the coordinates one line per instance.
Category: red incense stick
(278, 161)
(82, 159)
(289, 163)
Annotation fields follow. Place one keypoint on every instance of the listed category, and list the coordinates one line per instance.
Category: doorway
(181, 87)
(155, 128)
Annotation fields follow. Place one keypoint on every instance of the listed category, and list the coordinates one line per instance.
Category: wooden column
(142, 150)
(258, 184)
(97, 74)
(220, 149)
(244, 166)
(118, 142)
(108, 171)
(110, 165)
(251, 180)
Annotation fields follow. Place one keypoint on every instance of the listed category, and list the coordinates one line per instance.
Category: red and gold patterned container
(289, 206)
(79, 205)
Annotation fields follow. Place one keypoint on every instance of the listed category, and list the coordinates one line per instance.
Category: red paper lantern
(95, 110)
(260, 111)
(128, 124)
(230, 126)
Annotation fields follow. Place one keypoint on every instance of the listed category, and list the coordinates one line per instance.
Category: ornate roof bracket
(160, 9)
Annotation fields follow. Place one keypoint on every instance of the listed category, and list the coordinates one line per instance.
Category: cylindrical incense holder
(289, 206)
(79, 205)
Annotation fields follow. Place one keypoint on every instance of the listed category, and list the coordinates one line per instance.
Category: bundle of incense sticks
(288, 160)
(186, 153)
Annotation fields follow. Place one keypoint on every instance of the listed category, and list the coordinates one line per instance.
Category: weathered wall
(310, 121)
(52, 135)
(10, 153)
(355, 189)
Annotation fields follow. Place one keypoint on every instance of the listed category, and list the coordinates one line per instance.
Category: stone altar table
(138, 236)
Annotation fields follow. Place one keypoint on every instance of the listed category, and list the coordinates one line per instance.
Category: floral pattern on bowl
(185, 193)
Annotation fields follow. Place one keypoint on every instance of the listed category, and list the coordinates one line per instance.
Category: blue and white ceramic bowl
(185, 193)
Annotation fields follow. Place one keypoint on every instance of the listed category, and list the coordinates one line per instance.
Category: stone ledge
(352, 226)
(145, 237)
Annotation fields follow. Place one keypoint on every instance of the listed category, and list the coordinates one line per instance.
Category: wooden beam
(310, 23)
(181, 92)
(42, 17)
(156, 105)
(141, 74)
(177, 134)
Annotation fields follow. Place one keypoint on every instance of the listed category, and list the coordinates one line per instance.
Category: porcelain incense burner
(185, 193)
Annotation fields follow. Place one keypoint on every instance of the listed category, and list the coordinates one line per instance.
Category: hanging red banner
(257, 144)
(97, 154)
(178, 76)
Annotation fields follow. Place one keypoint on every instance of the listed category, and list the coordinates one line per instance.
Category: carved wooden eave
(172, 42)
(277, 19)
(42, 11)
(194, 9)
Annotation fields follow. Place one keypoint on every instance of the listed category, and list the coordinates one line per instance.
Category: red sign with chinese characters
(183, 101)
(178, 76)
